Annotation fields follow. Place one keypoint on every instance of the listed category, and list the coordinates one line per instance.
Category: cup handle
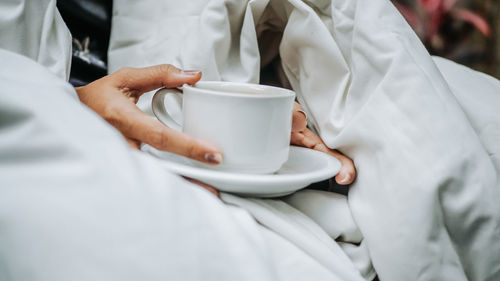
(159, 110)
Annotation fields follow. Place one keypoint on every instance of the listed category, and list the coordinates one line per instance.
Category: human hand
(302, 136)
(210, 188)
(114, 98)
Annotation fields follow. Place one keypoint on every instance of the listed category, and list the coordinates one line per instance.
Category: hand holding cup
(114, 98)
(250, 123)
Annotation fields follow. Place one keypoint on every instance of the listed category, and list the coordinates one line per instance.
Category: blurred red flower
(427, 18)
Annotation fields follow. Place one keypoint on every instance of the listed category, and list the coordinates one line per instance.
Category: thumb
(299, 118)
(142, 80)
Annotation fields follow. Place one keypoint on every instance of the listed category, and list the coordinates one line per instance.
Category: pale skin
(114, 98)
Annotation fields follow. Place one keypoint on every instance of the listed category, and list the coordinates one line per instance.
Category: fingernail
(345, 179)
(303, 112)
(213, 158)
(190, 72)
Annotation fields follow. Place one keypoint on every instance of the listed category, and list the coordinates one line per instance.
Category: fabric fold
(426, 154)
(304, 233)
(36, 30)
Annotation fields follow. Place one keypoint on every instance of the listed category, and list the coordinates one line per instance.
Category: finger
(300, 139)
(299, 121)
(299, 118)
(297, 138)
(347, 172)
(146, 79)
(137, 125)
(204, 185)
(296, 106)
(135, 144)
(310, 139)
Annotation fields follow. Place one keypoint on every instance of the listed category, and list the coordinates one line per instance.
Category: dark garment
(89, 22)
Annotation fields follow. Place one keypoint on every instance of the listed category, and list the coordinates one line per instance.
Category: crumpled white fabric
(317, 222)
(75, 200)
(331, 212)
(35, 29)
(424, 137)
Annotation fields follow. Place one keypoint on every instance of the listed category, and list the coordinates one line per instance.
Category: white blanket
(36, 30)
(77, 203)
(424, 135)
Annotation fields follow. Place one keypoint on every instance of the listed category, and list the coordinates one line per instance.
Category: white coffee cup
(250, 123)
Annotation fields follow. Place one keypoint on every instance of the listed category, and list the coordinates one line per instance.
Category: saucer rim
(329, 170)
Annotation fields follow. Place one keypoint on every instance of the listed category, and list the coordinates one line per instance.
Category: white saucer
(304, 166)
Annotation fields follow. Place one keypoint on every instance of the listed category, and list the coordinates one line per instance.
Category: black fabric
(89, 22)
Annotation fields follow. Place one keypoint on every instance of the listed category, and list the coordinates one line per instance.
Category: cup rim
(280, 92)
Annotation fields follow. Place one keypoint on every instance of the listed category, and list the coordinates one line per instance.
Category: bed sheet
(423, 132)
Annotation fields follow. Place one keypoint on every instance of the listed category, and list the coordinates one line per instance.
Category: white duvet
(77, 203)
(423, 133)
